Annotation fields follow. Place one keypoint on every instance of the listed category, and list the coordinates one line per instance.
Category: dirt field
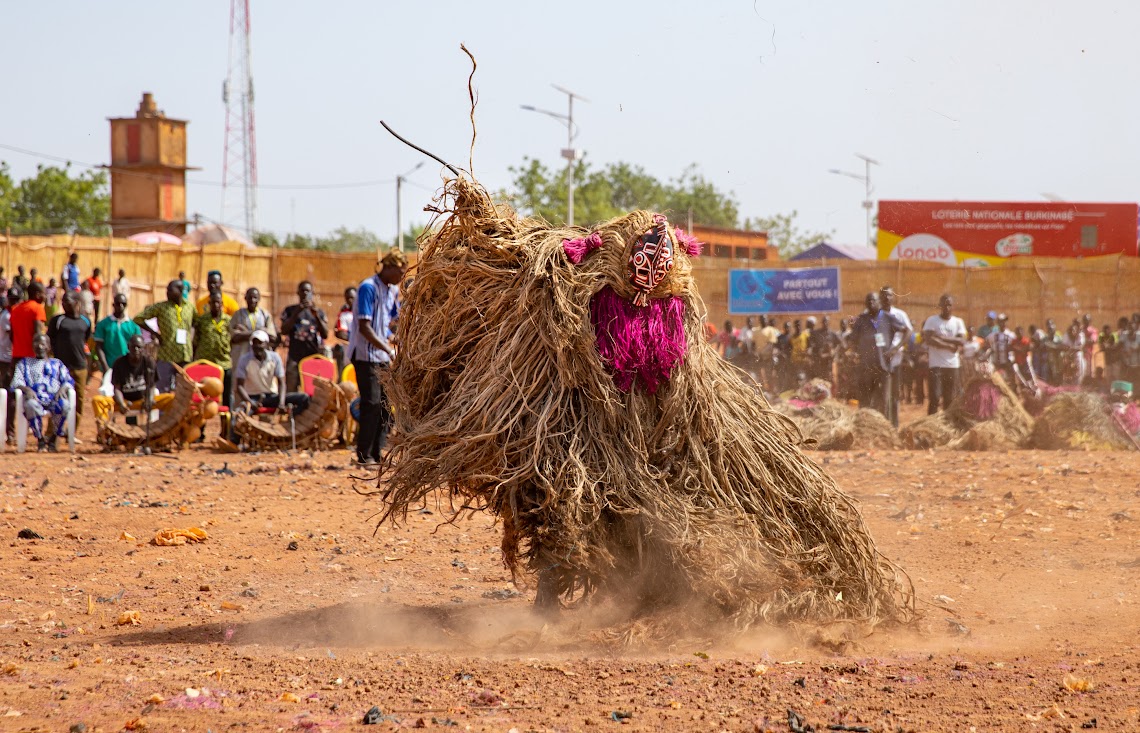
(292, 615)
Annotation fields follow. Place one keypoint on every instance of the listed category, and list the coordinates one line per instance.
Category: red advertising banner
(985, 233)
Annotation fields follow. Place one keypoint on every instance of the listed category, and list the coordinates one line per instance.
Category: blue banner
(806, 290)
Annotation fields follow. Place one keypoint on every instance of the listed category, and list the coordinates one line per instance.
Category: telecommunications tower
(239, 163)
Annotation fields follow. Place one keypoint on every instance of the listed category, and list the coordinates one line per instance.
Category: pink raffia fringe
(688, 242)
(641, 345)
(577, 249)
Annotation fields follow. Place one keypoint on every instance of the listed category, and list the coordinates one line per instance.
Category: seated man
(258, 378)
(44, 382)
(132, 376)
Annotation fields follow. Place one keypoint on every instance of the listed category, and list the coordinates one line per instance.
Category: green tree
(784, 235)
(53, 201)
(601, 194)
(341, 239)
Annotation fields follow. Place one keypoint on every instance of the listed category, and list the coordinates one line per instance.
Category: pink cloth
(639, 344)
(1130, 418)
(981, 400)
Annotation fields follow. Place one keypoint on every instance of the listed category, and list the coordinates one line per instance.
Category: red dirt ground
(1026, 565)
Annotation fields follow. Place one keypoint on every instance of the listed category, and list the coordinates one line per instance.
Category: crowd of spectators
(881, 358)
(53, 340)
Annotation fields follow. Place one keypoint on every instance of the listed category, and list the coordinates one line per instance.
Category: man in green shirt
(175, 319)
(212, 340)
(113, 333)
(185, 287)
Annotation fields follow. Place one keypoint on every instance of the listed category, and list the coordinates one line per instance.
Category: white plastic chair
(22, 421)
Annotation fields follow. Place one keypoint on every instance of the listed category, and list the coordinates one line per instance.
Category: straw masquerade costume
(558, 378)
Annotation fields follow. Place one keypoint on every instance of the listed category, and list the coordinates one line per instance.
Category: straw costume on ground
(988, 415)
(828, 424)
(558, 378)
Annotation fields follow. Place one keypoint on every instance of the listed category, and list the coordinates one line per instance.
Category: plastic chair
(314, 366)
(348, 374)
(199, 370)
(22, 421)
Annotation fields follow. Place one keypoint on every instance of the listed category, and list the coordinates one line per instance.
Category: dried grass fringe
(1078, 420)
(698, 493)
(832, 425)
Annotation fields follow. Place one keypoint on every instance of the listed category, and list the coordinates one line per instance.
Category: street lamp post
(569, 153)
(399, 219)
(866, 180)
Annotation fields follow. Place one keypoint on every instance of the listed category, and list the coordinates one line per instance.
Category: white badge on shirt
(180, 336)
(880, 340)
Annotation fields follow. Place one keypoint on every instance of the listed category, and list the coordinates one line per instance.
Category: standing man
(307, 328)
(185, 287)
(113, 334)
(214, 285)
(121, 286)
(898, 346)
(175, 319)
(823, 346)
(872, 336)
(69, 278)
(344, 328)
(1092, 337)
(68, 333)
(95, 285)
(989, 325)
(999, 348)
(212, 342)
(27, 320)
(370, 352)
(51, 297)
(244, 323)
(6, 347)
(944, 335)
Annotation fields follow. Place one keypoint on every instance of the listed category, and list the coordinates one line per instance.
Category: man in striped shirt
(370, 351)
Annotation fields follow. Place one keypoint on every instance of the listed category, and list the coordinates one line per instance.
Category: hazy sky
(958, 100)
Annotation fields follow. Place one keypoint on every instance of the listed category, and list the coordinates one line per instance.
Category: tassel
(577, 249)
(688, 242)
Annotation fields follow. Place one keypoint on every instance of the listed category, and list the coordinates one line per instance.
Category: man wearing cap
(247, 320)
(896, 349)
(213, 285)
(988, 327)
(370, 351)
(259, 375)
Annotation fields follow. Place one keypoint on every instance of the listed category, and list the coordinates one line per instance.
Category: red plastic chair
(199, 370)
(315, 366)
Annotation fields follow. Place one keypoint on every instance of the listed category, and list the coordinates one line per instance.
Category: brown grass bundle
(832, 425)
(697, 493)
(958, 428)
(1078, 420)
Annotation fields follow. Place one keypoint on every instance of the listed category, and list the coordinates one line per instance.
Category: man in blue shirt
(370, 351)
(70, 275)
